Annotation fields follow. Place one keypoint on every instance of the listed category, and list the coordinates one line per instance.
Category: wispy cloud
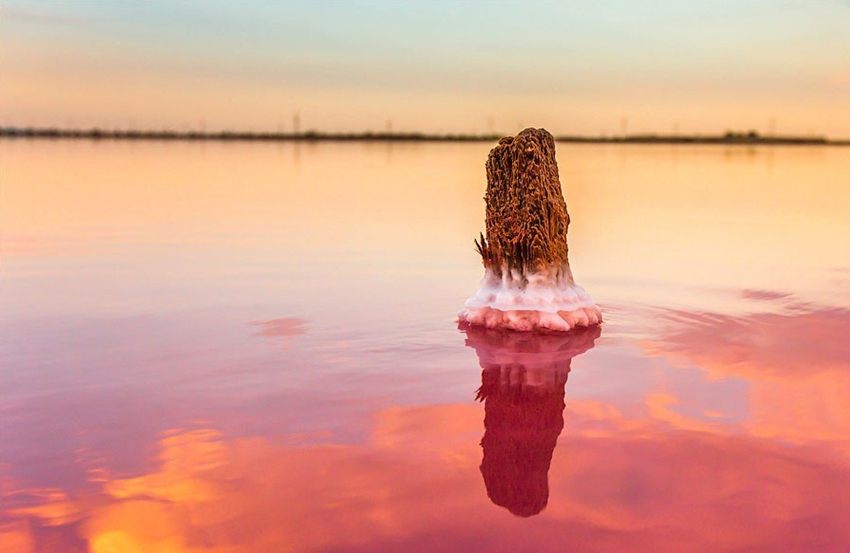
(40, 18)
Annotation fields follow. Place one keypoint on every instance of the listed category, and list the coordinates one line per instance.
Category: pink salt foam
(527, 303)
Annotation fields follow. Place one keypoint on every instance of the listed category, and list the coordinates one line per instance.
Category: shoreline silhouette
(730, 137)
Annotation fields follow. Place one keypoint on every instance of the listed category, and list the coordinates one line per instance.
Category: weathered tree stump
(528, 283)
(527, 217)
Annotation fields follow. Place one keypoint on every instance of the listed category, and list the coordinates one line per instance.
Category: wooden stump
(527, 217)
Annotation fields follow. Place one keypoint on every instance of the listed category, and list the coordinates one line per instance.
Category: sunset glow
(579, 67)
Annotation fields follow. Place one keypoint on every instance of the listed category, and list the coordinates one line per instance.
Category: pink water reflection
(616, 484)
(244, 349)
(607, 480)
(796, 361)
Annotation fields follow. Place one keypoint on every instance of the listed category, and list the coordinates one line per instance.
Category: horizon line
(96, 133)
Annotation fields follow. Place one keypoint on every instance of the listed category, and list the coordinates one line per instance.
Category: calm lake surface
(247, 347)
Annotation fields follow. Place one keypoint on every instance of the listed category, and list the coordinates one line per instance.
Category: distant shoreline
(729, 138)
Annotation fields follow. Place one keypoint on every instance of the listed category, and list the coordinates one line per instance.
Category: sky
(574, 67)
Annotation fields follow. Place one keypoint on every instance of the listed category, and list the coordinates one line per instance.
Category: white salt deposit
(536, 301)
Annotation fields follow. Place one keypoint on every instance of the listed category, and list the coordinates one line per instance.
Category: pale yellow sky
(574, 67)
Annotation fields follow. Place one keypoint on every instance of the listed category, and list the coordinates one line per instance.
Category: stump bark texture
(527, 217)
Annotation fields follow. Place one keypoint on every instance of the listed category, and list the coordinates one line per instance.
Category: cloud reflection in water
(620, 480)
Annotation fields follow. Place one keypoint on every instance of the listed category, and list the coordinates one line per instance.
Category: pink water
(253, 347)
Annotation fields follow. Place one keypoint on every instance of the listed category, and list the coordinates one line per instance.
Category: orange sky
(587, 68)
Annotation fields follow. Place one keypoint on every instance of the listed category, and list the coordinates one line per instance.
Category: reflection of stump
(521, 428)
(528, 283)
(522, 387)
